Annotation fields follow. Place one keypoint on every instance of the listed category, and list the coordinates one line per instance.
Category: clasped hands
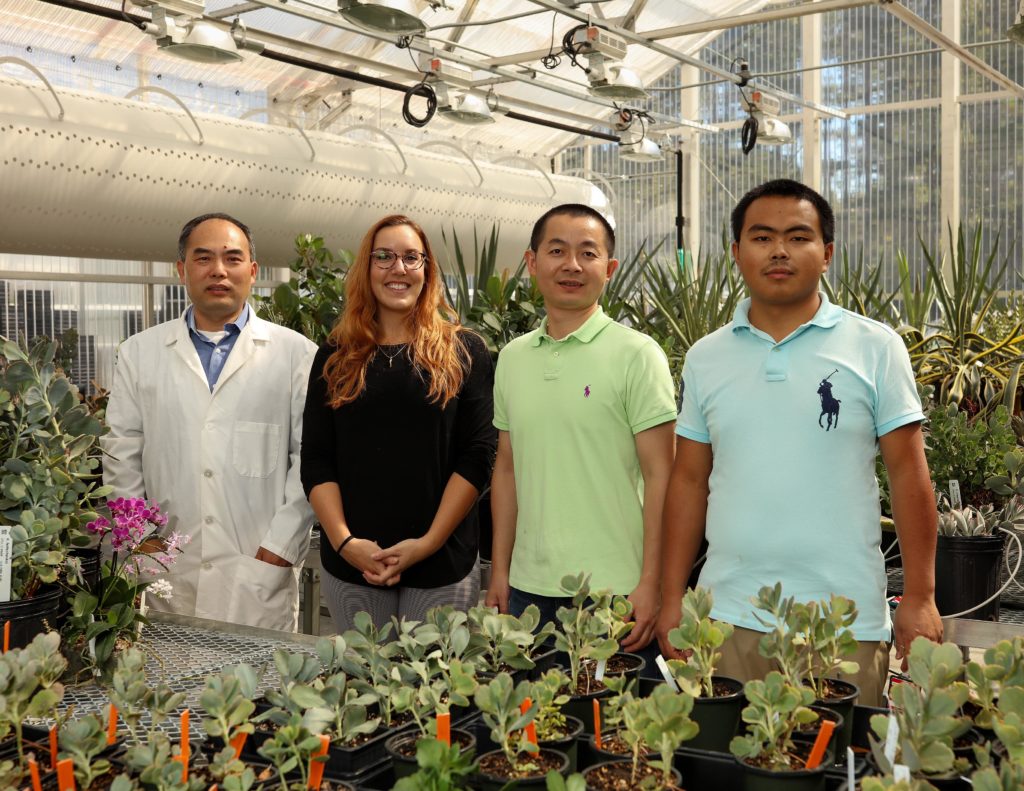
(383, 566)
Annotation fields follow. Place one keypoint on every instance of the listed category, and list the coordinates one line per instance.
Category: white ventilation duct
(117, 178)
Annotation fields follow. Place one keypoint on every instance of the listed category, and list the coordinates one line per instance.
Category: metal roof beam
(661, 49)
(937, 36)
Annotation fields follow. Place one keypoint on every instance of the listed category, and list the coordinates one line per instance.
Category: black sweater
(391, 452)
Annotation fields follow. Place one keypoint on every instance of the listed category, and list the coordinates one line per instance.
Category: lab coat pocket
(254, 448)
(265, 595)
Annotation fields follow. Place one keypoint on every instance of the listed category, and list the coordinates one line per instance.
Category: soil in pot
(718, 716)
(613, 747)
(494, 771)
(840, 697)
(565, 741)
(402, 749)
(618, 776)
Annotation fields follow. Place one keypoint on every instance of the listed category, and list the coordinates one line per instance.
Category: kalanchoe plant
(888, 783)
(156, 763)
(290, 749)
(663, 724)
(499, 702)
(592, 627)
(500, 641)
(623, 690)
(1009, 777)
(775, 707)
(441, 768)
(110, 615)
(84, 739)
(927, 712)
(702, 636)
(29, 685)
(48, 440)
(448, 630)
(227, 699)
(343, 713)
(433, 693)
(298, 695)
(1003, 666)
(133, 696)
(549, 693)
(808, 640)
(1009, 724)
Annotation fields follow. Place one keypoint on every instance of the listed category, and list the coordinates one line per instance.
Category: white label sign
(601, 663)
(6, 559)
(892, 739)
(659, 660)
(901, 772)
(954, 494)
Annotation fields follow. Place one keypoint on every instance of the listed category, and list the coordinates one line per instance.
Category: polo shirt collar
(585, 333)
(827, 315)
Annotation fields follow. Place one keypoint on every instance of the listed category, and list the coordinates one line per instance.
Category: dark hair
(190, 226)
(785, 188)
(572, 210)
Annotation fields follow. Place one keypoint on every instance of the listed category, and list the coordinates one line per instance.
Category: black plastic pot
(757, 779)
(810, 733)
(676, 777)
(582, 706)
(718, 717)
(843, 706)
(568, 744)
(29, 617)
(489, 782)
(405, 765)
(967, 570)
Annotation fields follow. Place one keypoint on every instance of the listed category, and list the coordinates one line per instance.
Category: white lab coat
(224, 465)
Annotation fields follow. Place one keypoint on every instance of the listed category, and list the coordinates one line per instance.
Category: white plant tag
(901, 772)
(6, 560)
(851, 775)
(954, 494)
(659, 660)
(892, 738)
(599, 674)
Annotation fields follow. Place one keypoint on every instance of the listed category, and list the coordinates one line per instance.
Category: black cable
(424, 90)
(571, 50)
(748, 135)
(131, 18)
(551, 60)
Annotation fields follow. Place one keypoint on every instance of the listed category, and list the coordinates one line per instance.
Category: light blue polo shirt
(793, 496)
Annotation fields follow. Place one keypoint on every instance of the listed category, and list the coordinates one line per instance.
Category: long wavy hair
(436, 351)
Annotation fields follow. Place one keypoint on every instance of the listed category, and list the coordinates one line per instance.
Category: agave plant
(860, 288)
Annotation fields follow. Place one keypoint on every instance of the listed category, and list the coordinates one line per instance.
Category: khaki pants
(741, 660)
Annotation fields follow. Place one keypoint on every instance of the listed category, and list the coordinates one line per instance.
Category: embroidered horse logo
(829, 404)
(586, 391)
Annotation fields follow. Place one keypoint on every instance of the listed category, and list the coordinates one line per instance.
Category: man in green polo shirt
(584, 408)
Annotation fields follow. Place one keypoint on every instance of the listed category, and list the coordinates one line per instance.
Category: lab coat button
(209, 520)
(208, 473)
(207, 566)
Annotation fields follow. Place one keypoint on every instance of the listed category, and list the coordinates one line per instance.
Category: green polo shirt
(572, 408)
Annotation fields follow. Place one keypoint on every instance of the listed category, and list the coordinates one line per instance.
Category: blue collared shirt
(213, 355)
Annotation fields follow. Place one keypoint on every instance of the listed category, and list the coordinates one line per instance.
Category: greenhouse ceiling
(511, 60)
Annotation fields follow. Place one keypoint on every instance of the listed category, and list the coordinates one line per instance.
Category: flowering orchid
(110, 615)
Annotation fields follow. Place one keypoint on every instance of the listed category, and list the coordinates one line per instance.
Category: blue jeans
(519, 600)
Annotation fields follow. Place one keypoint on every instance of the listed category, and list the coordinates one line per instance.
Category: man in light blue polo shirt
(782, 414)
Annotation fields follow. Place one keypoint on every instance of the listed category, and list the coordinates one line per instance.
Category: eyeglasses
(385, 259)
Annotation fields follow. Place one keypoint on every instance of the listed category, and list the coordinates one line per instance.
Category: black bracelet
(342, 545)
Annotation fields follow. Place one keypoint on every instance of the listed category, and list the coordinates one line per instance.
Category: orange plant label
(112, 725)
(66, 775)
(53, 747)
(597, 723)
(7, 635)
(239, 743)
(33, 769)
(818, 750)
(316, 768)
(444, 728)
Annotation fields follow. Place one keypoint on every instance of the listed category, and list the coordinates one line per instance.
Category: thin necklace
(391, 357)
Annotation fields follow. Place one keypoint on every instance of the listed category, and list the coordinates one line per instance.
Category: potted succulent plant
(767, 751)
(588, 633)
(927, 714)
(49, 441)
(433, 695)
(718, 700)
(503, 642)
(657, 724)
(518, 758)
(292, 750)
(441, 767)
(555, 729)
(809, 641)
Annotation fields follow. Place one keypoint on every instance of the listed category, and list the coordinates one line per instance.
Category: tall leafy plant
(312, 299)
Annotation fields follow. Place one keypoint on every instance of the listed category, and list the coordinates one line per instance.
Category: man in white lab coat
(205, 417)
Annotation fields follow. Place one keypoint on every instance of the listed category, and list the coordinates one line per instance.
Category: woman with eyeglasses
(397, 439)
